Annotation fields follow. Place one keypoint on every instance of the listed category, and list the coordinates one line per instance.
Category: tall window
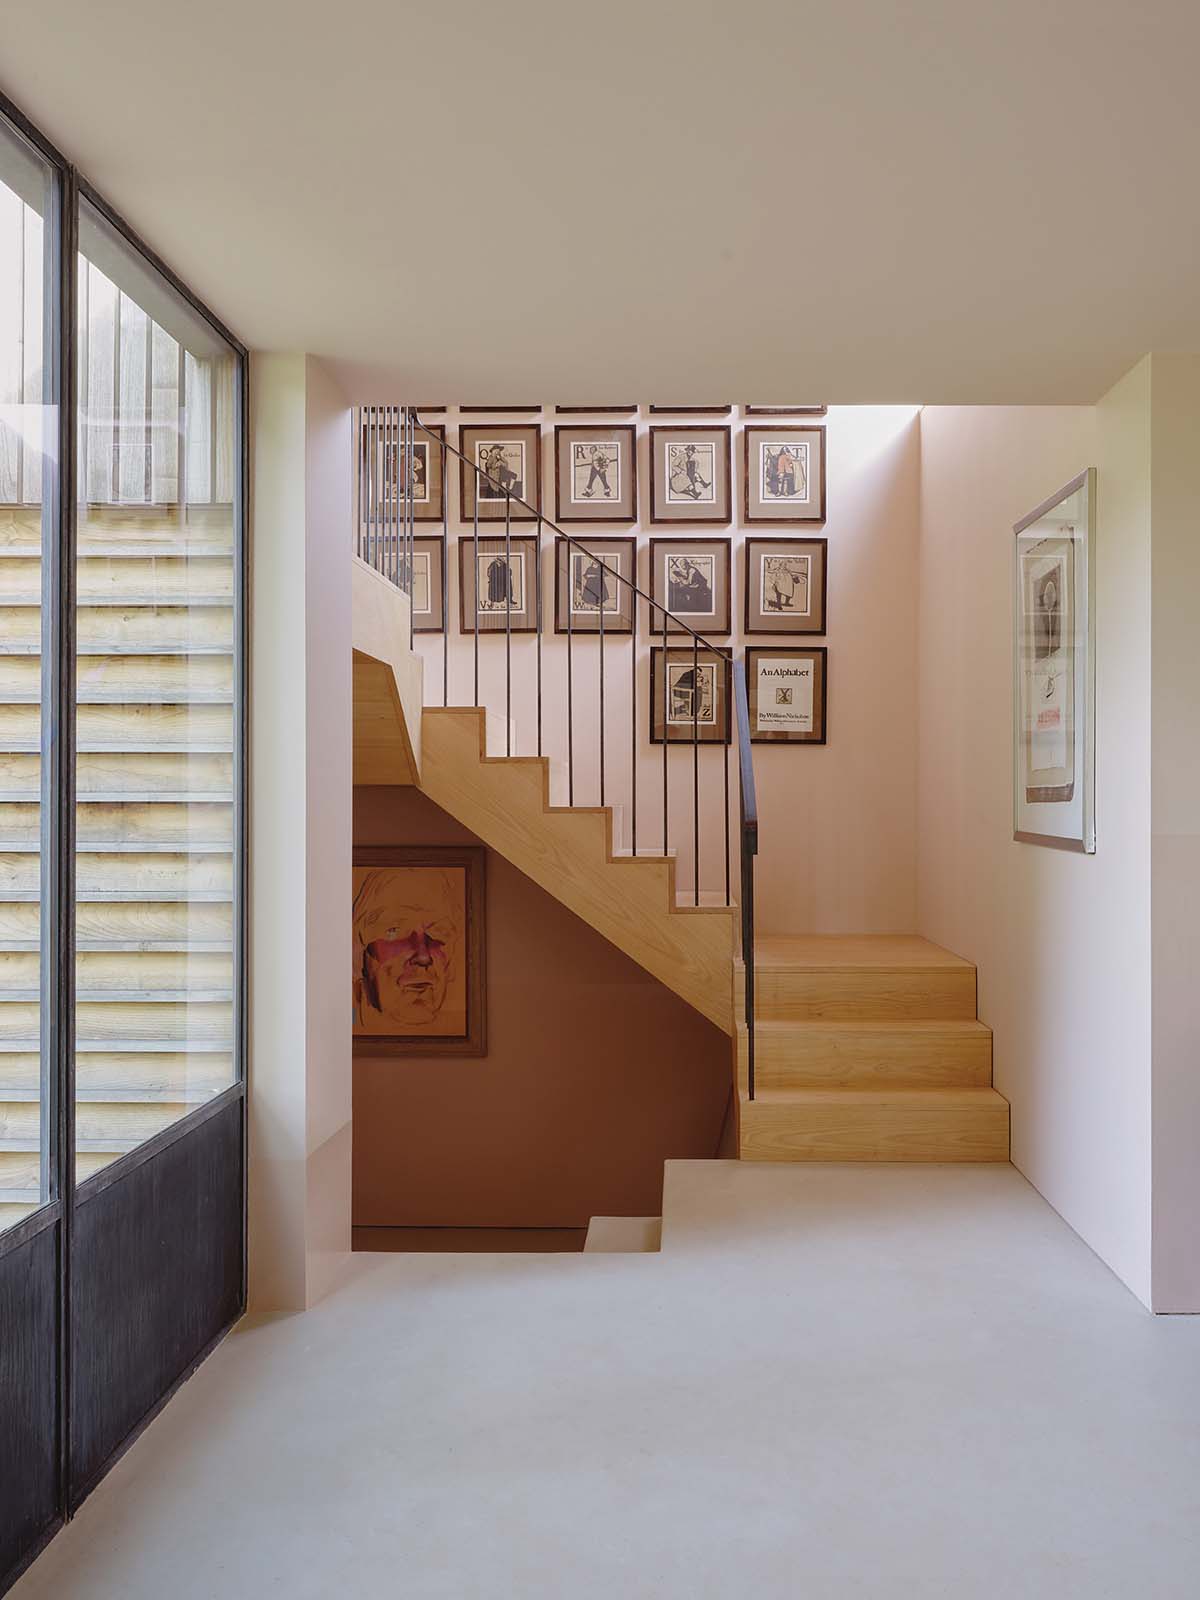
(28, 527)
(156, 692)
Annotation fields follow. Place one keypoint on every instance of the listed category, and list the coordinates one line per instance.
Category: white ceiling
(781, 200)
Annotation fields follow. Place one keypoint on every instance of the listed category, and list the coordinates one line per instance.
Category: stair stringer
(568, 851)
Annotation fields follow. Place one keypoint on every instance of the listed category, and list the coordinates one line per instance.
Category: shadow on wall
(595, 1074)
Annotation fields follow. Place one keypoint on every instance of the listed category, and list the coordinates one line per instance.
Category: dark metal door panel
(29, 1356)
(156, 1277)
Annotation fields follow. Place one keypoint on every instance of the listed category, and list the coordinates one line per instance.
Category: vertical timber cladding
(156, 1278)
(29, 1351)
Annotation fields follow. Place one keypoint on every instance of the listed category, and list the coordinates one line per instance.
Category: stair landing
(867, 1048)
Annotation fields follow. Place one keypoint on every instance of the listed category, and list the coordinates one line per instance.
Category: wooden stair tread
(951, 1099)
(852, 952)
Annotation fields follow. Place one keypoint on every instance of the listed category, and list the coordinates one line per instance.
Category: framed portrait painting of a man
(595, 473)
(786, 585)
(690, 474)
(502, 473)
(1054, 670)
(691, 578)
(588, 585)
(498, 583)
(418, 952)
(784, 473)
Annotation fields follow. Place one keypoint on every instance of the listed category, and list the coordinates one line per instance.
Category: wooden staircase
(867, 1049)
(571, 852)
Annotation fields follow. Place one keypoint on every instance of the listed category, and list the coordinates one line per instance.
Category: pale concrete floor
(833, 1382)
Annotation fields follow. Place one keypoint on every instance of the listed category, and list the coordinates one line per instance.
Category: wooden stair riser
(899, 1054)
(964, 1126)
(567, 852)
(858, 994)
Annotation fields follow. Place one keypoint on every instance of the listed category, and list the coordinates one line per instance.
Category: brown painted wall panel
(595, 1073)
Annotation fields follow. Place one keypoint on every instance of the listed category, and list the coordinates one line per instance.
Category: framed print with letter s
(784, 476)
(1054, 670)
(786, 585)
(787, 693)
(690, 474)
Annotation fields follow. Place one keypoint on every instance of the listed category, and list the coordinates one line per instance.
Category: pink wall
(838, 822)
(595, 1074)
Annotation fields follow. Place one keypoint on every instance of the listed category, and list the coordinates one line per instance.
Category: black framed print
(428, 587)
(508, 457)
(690, 474)
(595, 473)
(498, 584)
(690, 576)
(784, 411)
(787, 693)
(387, 472)
(587, 585)
(784, 474)
(786, 585)
(692, 705)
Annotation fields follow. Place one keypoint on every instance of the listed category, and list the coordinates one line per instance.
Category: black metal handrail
(386, 535)
(748, 810)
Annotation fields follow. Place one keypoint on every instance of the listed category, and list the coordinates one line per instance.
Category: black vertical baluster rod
(666, 713)
(696, 766)
(445, 578)
(391, 496)
(725, 770)
(508, 596)
(537, 578)
(748, 813)
(570, 688)
(473, 587)
(633, 719)
(410, 556)
(603, 597)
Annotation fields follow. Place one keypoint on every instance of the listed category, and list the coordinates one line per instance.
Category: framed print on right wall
(787, 694)
(786, 584)
(1054, 670)
(784, 473)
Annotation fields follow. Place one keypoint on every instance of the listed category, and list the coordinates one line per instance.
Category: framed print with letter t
(785, 474)
(689, 474)
(1054, 672)
(508, 457)
(787, 694)
(595, 473)
(785, 585)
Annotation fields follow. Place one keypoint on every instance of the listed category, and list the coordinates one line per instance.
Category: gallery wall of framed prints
(649, 493)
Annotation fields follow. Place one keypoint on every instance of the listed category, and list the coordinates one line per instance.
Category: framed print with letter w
(1054, 671)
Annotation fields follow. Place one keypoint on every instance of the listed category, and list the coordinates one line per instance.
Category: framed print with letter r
(785, 585)
(595, 473)
(504, 464)
(787, 694)
(689, 474)
(784, 474)
(1054, 775)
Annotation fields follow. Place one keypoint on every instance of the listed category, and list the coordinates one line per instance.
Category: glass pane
(28, 523)
(156, 692)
